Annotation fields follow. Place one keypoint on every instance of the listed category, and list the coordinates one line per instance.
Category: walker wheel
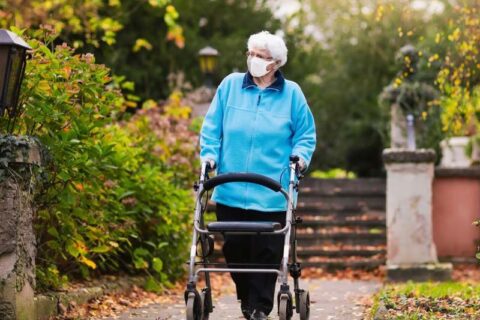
(304, 305)
(194, 307)
(285, 310)
(205, 304)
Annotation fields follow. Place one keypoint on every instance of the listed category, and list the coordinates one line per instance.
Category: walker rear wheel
(285, 307)
(205, 304)
(304, 305)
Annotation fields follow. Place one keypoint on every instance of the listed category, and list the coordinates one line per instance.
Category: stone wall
(17, 239)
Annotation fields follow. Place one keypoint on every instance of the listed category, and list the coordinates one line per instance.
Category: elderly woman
(255, 122)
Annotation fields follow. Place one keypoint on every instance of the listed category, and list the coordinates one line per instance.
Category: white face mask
(258, 66)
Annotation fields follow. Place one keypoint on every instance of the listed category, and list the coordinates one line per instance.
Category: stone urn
(454, 152)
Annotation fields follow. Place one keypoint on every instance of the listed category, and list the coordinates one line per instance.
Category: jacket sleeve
(212, 131)
(304, 135)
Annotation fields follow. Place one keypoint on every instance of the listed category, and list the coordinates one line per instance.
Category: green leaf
(162, 244)
(128, 85)
(126, 194)
(53, 244)
(157, 264)
(141, 252)
(101, 249)
(53, 232)
(140, 263)
(72, 249)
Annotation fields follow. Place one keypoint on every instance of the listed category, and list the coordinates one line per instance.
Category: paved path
(330, 300)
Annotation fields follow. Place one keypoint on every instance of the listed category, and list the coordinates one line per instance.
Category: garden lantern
(13, 56)
(208, 63)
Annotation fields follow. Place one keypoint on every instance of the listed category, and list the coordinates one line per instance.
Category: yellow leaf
(114, 3)
(142, 44)
(88, 262)
(131, 104)
(113, 244)
(43, 85)
(149, 104)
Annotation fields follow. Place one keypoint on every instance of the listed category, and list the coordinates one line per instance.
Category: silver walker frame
(204, 304)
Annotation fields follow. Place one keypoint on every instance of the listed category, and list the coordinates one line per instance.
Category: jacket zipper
(251, 144)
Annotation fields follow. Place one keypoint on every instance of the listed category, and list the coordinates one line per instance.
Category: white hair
(267, 41)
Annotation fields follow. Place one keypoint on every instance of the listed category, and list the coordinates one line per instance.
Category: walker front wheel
(285, 309)
(194, 307)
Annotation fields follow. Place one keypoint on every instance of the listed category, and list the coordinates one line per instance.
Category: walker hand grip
(242, 177)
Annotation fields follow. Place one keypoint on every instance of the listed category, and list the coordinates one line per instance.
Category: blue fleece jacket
(249, 129)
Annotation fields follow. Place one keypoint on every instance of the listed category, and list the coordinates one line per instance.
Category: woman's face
(263, 54)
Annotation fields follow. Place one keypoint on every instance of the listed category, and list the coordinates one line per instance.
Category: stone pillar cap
(408, 156)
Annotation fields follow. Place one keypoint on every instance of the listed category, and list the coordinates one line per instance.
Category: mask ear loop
(276, 65)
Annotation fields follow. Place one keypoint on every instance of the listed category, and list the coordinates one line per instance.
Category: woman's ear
(274, 66)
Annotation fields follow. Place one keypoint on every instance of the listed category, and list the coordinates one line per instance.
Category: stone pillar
(411, 253)
(17, 239)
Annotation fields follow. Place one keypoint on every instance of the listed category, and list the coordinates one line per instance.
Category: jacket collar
(276, 85)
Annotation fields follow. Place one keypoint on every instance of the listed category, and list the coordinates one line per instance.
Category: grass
(428, 301)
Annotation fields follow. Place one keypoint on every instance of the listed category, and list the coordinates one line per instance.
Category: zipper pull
(258, 101)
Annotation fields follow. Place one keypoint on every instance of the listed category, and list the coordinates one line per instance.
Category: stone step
(345, 238)
(378, 223)
(306, 192)
(364, 187)
(348, 201)
(319, 207)
(364, 237)
(309, 213)
(343, 264)
(354, 230)
(343, 215)
(326, 246)
(305, 253)
(349, 205)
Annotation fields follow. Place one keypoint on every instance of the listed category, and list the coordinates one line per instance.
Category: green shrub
(112, 194)
(335, 173)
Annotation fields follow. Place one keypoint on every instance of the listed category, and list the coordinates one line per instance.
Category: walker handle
(242, 177)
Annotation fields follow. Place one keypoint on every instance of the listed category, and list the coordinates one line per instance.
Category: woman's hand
(211, 165)
(302, 165)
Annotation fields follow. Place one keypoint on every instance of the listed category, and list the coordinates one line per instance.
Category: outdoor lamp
(13, 57)
(208, 62)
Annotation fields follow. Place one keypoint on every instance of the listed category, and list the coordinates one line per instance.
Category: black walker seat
(244, 226)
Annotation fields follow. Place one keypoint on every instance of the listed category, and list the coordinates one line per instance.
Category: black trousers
(255, 289)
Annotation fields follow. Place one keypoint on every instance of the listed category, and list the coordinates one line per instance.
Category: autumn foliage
(114, 192)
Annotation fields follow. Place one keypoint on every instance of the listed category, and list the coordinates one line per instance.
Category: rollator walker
(200, 305)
